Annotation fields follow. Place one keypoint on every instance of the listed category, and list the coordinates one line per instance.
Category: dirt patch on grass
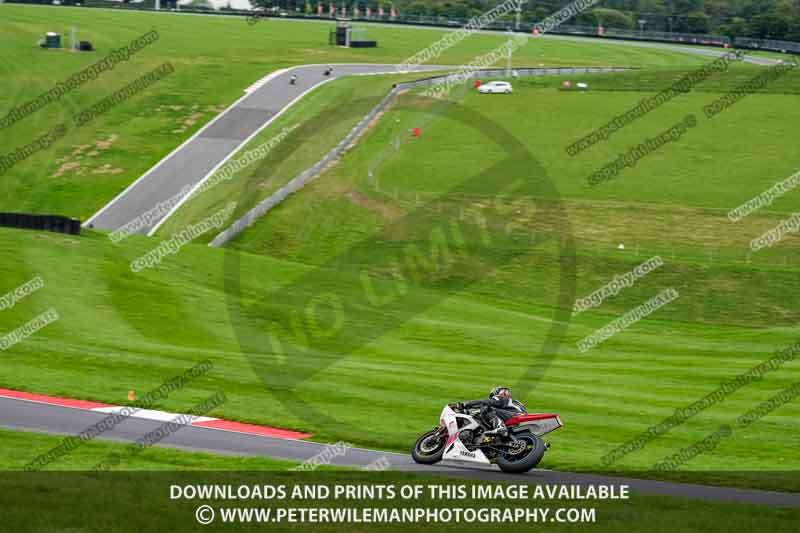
(219, 108)
(107, 169)
(79, 163)
(386, 211)
(188, 116)
(66, 167)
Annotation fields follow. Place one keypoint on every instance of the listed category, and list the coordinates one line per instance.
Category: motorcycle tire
(428, 457)
(514, 465)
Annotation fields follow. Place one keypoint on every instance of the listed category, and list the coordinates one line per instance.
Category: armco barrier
(309, 174)
(53, 223)
(786, 47)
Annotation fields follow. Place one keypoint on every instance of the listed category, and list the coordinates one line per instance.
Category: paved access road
(31, 416)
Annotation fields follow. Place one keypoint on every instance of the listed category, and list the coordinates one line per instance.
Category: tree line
(760, 19)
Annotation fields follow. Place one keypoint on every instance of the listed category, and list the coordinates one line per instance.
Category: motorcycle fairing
(455, 449)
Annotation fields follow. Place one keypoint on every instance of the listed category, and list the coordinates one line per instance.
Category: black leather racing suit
(497, 409)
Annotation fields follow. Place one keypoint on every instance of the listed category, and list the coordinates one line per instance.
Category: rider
(497, 409)
(293, 80)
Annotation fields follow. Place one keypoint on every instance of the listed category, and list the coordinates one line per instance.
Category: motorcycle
(460, 436)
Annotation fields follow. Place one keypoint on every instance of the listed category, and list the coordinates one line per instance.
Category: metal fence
(659, 36)
(308, 175)
(768, 44)
(302, 179)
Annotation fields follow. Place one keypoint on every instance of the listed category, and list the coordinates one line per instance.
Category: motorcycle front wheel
(429, 448)
(526, 457)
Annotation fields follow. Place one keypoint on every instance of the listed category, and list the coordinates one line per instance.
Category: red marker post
(416, 132)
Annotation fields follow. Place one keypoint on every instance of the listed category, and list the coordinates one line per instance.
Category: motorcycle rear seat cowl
(528, 418)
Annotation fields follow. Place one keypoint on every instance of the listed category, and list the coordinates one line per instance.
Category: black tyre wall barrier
(53, 223)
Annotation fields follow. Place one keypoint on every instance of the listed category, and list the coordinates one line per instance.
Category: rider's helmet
(503, 392)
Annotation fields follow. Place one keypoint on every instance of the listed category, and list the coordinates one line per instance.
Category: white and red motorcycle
(461, 436)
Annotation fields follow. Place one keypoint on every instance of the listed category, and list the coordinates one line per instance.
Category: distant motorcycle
(328, 71)
(460, 436)
(293, 80)
(255, 17)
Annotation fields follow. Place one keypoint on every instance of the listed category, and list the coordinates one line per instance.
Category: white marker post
(510, 51)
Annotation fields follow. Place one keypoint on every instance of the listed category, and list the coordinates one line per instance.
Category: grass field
(76, 176)
(459, 330)
(734, 309)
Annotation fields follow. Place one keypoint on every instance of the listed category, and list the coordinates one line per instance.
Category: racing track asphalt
(24, 415)
(212, 145)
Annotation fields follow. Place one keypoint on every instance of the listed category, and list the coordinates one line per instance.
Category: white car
(502, 87)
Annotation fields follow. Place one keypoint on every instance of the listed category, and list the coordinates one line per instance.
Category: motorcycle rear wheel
(525, 461)
(427, 453)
